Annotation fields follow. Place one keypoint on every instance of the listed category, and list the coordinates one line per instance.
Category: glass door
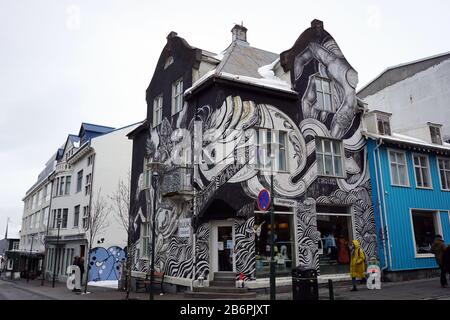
(225, 248)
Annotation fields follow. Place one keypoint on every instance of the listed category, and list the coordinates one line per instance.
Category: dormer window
(383, 125)
(435, 132)
(323, 94)
(169, 61)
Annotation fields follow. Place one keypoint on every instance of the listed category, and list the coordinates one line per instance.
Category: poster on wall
(229, 244)
(220, 246)
(184, 228)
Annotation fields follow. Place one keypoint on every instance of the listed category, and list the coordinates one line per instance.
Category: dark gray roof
(400, 72)
(242, 59)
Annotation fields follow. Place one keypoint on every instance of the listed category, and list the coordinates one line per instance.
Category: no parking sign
(263, 200)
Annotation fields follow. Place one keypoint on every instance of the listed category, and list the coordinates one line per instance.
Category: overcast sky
(65, 62)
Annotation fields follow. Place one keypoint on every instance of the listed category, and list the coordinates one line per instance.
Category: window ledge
(423, 255)
(400, 186)
(425, 188)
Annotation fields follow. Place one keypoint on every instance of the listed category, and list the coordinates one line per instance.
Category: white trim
(439, 172)
(406, 168)
(214, 224)
(428, 167)
(438, 226)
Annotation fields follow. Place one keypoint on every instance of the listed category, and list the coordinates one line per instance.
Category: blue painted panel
(399, 202)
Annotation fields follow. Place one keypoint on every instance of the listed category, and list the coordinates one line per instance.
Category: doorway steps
(222, 287)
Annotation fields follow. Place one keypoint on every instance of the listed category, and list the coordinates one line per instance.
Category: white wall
(113, 153)
(425, 97)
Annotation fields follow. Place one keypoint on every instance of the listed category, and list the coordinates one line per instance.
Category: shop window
(284, 244)
(425, 227)
(336, 232)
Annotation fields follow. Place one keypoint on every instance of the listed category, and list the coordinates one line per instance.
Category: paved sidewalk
(426, 289)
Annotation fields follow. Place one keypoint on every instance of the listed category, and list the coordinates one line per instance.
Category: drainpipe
(384, 209)
(44, 262)
(379, 203)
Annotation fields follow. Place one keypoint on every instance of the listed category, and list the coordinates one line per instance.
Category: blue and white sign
(263, 200)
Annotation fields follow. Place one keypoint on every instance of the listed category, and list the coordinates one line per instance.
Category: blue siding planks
(399, 202)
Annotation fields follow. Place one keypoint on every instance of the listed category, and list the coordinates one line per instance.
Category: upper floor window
(422, 171)
(444, 173)
(383, 124)
(76, 216)
(177, 96)
(323, 93)
(435, 133)
(157, 110)
(147, 174)
(145, 237)
(271, 145)
(399, 169)
(68, 182)
(90, 160)
(85, 217)
(79, 180)
(330, 157)
(65, 217)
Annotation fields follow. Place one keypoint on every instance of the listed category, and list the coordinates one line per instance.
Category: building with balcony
(218, 127)
(410, 177)
(80, 180)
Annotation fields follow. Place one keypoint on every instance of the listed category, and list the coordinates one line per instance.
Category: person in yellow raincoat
(357, 264)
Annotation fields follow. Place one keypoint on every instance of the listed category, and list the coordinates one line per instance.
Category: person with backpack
(357, 264)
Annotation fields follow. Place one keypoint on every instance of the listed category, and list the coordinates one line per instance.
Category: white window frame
(85, 219)
(384, 119)
(145, 251)
(157, 110)
(177, 97)
(333, 155)
(76, 215)
(439, 173)
(438, 226)
(147, 174)
(263, 145)
(406, 168)
(321, 91)
(439, 134)
(421, 167)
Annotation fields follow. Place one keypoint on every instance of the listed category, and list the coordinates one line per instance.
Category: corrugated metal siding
(399, 201)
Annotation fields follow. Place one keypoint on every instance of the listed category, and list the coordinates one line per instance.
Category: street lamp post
(155, 166)
(56, 252)
(272, 234)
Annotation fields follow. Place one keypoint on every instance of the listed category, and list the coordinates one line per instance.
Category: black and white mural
(215, 142)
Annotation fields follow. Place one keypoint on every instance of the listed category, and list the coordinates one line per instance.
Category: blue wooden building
(410, 179)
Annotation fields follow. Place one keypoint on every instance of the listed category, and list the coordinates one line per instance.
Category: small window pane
(318, 84)
(320, 100)
(327, 102)
(320, 164)
(319, 146)
(328, 165)
(338, 166)
(336, 148)
(327, 144)
(326, 86)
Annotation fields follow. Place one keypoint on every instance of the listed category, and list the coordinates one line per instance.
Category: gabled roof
(395, 74)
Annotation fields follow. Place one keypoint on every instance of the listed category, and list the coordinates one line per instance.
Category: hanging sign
(263, 200)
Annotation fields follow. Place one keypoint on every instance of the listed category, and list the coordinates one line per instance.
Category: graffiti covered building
(220, 125)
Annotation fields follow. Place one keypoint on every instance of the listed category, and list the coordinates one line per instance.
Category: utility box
(305, 284)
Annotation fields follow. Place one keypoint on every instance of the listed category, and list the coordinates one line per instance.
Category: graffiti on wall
(104, 264)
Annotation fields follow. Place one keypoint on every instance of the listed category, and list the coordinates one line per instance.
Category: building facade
(411, 194)
(222, 126)
(86, 173)
(410, 91)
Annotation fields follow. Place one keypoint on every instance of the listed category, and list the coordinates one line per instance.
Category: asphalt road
(9, 291)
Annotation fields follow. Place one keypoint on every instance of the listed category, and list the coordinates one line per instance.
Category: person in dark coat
(446, 260)
(438, 248)
(81, 266)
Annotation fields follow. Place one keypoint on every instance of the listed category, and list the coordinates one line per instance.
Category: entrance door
(225, 248)
(222, 246)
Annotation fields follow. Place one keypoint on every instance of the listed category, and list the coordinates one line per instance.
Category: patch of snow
(268, 83)
(407, 138)
(113, 284)
(220, 55)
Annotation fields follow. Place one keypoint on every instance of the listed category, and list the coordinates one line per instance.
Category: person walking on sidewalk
(81, 266)
(357, 264)
(438, 249)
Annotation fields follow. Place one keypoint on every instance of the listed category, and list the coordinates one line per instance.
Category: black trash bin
(304, 284)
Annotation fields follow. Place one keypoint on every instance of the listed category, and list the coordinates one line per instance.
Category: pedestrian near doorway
(357, 264)
(81, 266)
(438, 249)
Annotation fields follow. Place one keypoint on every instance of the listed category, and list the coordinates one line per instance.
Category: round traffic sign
(263, 200)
